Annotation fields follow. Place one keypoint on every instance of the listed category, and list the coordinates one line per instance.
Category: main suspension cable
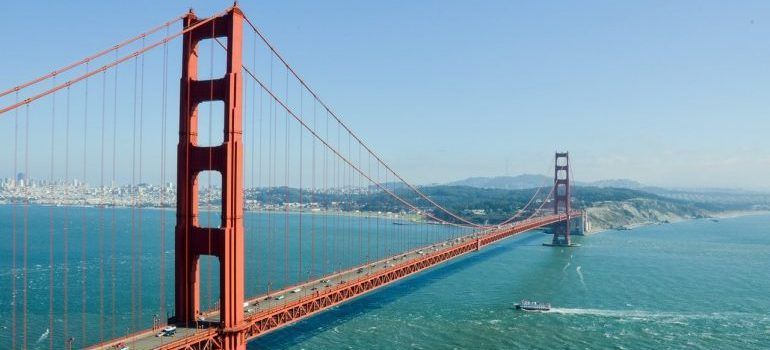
(340, 155)
(91, 58)
(107, 66)
(339, 120)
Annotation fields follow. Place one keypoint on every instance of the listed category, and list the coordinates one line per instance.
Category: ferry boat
(527, 305)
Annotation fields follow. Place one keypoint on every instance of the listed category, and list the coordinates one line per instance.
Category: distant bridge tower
(561, 203)
(225, 241)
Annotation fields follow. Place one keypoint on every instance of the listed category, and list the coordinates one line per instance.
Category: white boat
(527, 305)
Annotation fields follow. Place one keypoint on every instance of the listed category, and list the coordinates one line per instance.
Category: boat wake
(43, 336)
(642, 315)
(604, 312)
(580, 274)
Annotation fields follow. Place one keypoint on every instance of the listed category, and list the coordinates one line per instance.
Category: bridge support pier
(226, 240)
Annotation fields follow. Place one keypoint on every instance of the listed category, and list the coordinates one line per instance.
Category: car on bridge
(167, 331)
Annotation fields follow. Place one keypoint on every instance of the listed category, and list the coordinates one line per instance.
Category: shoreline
(711, 216)
(361, 214)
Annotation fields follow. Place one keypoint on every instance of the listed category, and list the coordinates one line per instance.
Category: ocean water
(99, 273)
(689, 285)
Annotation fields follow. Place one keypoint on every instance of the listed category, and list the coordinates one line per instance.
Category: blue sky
(666, 93)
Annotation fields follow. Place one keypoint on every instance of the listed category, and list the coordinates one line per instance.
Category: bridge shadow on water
(308, 328)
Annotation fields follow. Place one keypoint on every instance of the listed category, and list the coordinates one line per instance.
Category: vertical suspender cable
(113, 235)
(261, 233)
(65, 227)
(133, 196)
(271, 161)
(164, 117)
(388, 238)
(361, 217)
(328, 202)
(299, 250)
(26, 224)
(140, 198)
(348, 227)
(253, 154)
(337, 185)
(84, 237)
(313, 198)
(51, 222)
(286, 189)
(101, 211)
(349, 190)
(13, 224)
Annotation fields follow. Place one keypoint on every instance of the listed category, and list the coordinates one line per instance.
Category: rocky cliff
(635, 212)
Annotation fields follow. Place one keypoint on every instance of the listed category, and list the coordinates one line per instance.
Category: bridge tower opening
(225, 241)
(562, 196)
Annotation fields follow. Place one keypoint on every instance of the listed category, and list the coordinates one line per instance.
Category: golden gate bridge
(262, 140)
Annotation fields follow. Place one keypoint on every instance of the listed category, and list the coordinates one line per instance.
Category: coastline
(711, 216)
(364, 214)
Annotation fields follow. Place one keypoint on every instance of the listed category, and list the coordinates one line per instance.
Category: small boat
(527, 305)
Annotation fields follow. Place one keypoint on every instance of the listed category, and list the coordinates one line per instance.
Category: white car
(167, 331)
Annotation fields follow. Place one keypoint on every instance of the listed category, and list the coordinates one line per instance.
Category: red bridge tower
(225, 241)
(561, 203)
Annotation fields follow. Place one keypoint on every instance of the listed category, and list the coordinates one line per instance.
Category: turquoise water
(690, 285)
(130, 252)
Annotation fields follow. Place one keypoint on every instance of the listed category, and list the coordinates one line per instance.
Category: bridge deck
(266, 312)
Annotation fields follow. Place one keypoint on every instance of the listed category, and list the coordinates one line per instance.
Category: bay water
(698, 284)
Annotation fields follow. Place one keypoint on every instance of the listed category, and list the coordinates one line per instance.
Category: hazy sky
(672, 93)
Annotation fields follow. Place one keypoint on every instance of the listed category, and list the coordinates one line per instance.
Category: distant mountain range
(520, 182)
(712, 196)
